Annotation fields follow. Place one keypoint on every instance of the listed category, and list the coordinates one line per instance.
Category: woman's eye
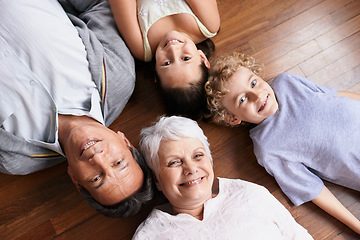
(167, 63)
(186, 58)
(174, 163)
(118, 163)
(242, 100)
(253, 83)
(198, 155)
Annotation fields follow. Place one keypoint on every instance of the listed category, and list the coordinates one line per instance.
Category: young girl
(169, 29)
(304, 132)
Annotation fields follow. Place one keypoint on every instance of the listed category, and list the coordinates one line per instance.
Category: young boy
(304, 132)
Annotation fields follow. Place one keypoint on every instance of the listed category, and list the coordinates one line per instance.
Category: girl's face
(249, 99)
(178, 60)
(185, 174)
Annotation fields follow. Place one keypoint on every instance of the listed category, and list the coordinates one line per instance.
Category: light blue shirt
(314, 135)
(42, 75)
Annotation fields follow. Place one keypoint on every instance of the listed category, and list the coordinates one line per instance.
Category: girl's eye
(242, 100)
(253, 83)
(167, 63)
(186, 58)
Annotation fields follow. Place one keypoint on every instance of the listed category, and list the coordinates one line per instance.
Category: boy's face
(249, 99)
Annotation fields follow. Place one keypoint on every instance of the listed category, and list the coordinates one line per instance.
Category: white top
(149, 11)
(241, 210)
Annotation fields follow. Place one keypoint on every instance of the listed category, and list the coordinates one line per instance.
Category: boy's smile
(249, 99)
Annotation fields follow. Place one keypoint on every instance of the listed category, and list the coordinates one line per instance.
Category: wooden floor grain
(318, 39)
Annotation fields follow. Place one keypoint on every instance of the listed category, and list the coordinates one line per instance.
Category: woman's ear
(204, 59)
(232, 120)
(157, 183)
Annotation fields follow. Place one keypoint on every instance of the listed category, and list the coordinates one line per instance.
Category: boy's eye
(167, 63)
(253, 83)
(242, 100)
(186, 58)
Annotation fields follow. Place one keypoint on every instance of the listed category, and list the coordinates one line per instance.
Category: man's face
(100, 161)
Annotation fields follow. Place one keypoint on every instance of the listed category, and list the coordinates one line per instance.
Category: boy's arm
(125, 14)
(207, 12)
(329, 203)
(351, 95)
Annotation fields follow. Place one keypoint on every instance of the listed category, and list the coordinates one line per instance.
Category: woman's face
(185, 174)
(178, 60)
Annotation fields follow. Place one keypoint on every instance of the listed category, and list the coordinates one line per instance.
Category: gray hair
(168, 128)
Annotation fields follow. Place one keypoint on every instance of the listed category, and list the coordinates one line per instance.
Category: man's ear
(122, 136)
(232, 120)
(204, 59)
(73, 179)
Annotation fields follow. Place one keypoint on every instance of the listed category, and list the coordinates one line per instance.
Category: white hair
(168, 128)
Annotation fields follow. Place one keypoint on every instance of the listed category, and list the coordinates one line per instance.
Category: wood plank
(319, 39)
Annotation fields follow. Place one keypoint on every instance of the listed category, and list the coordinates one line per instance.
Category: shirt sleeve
(312, 86)
(297, 181)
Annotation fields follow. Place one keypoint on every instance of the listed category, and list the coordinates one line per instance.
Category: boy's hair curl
(222, 68)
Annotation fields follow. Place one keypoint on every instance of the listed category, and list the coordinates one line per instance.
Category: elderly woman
(178, 153)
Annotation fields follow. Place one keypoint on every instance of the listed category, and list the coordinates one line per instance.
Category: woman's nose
(189, 168)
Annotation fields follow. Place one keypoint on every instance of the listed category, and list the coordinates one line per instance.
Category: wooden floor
(313, 38)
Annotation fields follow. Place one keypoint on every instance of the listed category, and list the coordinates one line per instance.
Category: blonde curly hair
(222, 68)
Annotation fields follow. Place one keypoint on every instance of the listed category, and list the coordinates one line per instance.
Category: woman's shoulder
(239, 186)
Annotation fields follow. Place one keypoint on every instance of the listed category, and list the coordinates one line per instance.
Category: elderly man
(64, 78)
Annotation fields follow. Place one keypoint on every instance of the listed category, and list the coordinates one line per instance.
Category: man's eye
(198, 155)
(186, 58)
(242, 100)
(167, 63)
(253, 83)
(118, 163)
(95, 179)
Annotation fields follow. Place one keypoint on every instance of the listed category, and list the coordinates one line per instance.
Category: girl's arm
(125, 14)
(207, 12)
(329, 203)
(351, 95)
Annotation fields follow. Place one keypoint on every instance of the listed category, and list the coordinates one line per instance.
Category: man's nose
(98, 159)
